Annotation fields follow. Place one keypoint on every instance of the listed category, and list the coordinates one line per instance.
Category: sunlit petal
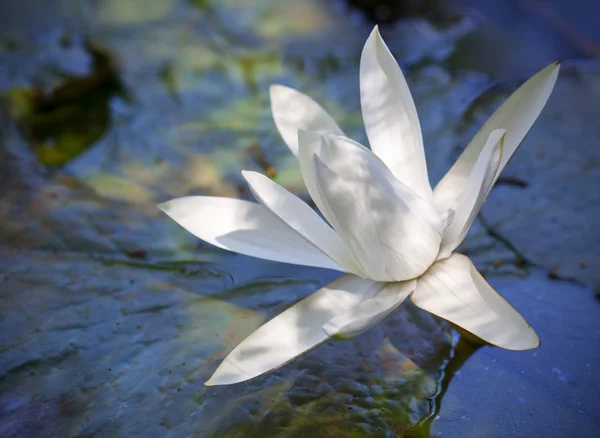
(365, 315)
(453, 289)
(474, 194)
(293, 332)
(312, 144)
(516, 116)
(293, 111)
(393, 233)
(246, 228)
(390, 116)
(299, 216)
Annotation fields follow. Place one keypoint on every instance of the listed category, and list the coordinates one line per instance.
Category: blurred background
(112, 316)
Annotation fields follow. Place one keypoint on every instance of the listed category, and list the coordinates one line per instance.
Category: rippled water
(113, 316)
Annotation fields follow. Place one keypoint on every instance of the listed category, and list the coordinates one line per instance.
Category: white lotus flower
(388, 230)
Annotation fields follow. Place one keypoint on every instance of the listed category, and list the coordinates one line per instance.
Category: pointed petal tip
(277, 92)
(274, 88)
(222, 379)
(522, 347)
(526, 340)
(216, 382)
(553, 68)
(226, 377)
(163, 206)
(461, 295)
(497, 136)
(529, 341)
(170, 207)
(247, 173)
(293, 110)
(501, 133)
(250, 176)
(535, 345)
(517, 114)
(372, 39)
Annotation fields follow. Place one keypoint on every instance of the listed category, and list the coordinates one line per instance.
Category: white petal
(393, 233)
(244, 227)
(476, 190)
(453, 289)
(516, 116)
(293, 332)
(312, 144)
(365, 315)
(390, 116)
(299, 216)
(293, 111)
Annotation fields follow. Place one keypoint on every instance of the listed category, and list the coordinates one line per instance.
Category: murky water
(113, 316)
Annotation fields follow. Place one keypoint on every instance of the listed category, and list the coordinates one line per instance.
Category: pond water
(112, 316)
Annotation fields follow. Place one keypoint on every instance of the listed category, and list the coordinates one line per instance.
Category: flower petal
(293, 111)
(453, 289)
(293, 332)
(365, 315)
(311, 144)
(390, 116)
(393, 233)
(516, 116)
(244, 227)
(299, 216)
(474, 194)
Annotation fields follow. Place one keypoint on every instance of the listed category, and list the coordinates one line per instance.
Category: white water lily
(389, 232)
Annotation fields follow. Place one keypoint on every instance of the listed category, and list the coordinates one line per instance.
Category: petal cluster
(385, 228)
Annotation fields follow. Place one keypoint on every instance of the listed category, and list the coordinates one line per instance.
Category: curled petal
(453, 289)
(393, 233)
(294, 332)
(516, 116)
(313, 144)
(365, 315)
(476, 190)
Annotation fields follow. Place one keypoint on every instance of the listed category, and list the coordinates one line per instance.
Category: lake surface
(113, 316)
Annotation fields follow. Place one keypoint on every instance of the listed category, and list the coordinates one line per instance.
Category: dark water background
(112, 317)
